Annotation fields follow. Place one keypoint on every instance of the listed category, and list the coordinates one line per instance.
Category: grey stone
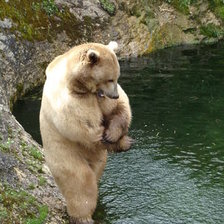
(6, 23)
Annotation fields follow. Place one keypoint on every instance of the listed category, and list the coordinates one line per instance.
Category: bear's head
(93, 68)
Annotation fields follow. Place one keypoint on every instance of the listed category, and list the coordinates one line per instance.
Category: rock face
(32, 33)
(141, 27)
(23, 175)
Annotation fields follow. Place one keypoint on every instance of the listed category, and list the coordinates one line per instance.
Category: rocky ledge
(32, 33)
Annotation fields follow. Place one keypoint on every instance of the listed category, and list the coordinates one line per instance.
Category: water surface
(175, 171)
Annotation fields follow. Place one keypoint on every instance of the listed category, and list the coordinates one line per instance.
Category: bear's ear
(93, 56)
(113, 46)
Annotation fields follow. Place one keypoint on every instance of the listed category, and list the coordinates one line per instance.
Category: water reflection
(174, 173)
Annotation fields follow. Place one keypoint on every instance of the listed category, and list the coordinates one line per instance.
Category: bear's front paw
(125, 143)
(112, 134)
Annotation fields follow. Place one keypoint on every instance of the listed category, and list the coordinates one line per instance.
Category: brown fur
(71, 123)
(117, 119)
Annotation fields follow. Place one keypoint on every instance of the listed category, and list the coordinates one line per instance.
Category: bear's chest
(88, 110)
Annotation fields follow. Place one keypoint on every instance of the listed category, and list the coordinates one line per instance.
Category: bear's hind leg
(77, 182)
(82, 198)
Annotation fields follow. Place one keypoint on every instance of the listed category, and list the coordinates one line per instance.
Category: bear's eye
(110, 80)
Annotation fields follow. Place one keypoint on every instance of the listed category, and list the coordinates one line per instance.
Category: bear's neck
(80, 88)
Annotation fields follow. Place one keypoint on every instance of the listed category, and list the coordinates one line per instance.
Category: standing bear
(84, 113)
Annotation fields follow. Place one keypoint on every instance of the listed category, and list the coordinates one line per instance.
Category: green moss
(166, 36)
(23, 144)
(19, 87)
(219, 11)
(43, 211)
(136, 11)
(48, 6)
(42, 181)
(22, 14)
(32, 151)
(215, 3)
(40, 20)
(10, 132)
(108, 6)
(211, 31)
(12, 100)
(31, 187)
(6, 146)
(181, 5)
(34, 166)
(36, 154)
(217, 6)
(18, 206)
(33, 157)
(3, 212)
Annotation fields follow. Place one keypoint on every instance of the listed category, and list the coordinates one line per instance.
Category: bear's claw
(106, 140)
(112, 135)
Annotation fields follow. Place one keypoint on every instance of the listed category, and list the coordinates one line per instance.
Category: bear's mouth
(100, 93)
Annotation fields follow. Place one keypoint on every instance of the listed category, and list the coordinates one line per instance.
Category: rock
(85, 8)
(210, 18)
(6, 23)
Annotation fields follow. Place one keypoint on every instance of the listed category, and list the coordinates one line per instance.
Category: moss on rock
(39, 20)
(18, 206)
(181, 5)
(211, 31)
(168, 35)
(108, 6)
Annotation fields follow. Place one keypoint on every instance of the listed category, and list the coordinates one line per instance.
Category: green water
(175, 171)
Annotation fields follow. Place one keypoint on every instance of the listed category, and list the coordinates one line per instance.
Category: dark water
(175, 171)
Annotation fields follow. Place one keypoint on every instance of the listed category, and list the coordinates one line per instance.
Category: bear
(75, 123)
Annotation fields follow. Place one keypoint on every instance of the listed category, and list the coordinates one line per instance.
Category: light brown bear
(80, 96)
